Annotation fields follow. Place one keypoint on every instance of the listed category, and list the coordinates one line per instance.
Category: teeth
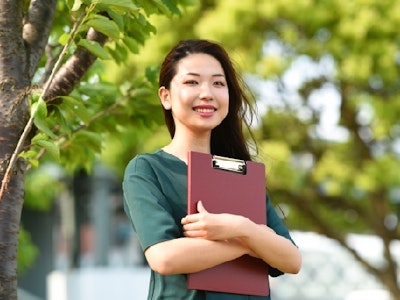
(204, 110)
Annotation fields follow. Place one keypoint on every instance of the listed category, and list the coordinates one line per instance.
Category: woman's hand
(253, 239)
(212, 226)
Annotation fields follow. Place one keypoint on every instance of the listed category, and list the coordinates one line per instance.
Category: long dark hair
(227, 139)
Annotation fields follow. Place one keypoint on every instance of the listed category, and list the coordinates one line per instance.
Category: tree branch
(309, 211)
(349, 119)
(50, 62)
(71, 73)
(36, 30)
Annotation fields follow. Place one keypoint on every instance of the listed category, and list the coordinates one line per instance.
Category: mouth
(204, 109)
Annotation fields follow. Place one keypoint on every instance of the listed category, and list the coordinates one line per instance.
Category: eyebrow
(196, 74)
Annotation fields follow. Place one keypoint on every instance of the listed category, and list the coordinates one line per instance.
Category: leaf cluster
(72, 129)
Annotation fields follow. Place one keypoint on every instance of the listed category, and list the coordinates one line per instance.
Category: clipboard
(226, 185)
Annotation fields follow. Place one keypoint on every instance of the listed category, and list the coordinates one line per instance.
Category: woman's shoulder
(156, 155)
(144, 160)
(158, 159)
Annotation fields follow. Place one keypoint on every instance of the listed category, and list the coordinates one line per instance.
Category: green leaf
(39, 109)
(39, 114)
(105, 26)
(47, 144)
(167, 7)
(63, 39)
(77, 4)
(106, 91)
(118, 19)
(91, 140)
(34, 163)
(58, 117)
(42, 126)
(27, 251)
(95, 48)
(76, 108)
(152, 74)
(41, 187)
(132, 44)
(118, 53)
(119, 6)
(30, 156)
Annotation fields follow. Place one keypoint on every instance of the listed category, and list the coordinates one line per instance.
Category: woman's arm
(146, 185)
(188, 255)
(261, 240)
(276, 250)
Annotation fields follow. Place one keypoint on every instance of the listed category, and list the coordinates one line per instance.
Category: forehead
(199, 63)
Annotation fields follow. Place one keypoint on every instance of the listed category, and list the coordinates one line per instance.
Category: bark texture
(23, 39)
(71, 73)
(21, 46)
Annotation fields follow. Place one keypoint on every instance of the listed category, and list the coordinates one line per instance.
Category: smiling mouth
(204, 110)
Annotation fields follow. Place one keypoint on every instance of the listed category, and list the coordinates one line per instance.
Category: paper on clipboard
(233, 186)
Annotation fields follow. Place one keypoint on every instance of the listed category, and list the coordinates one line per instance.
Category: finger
(201, 208)
(194, 234)
(184, 220)
(194, 217)
(190, 227)
(189, 219)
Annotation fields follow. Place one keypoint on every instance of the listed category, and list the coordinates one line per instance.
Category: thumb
(200, 207)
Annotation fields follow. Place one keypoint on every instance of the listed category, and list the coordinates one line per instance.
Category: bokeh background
(325, 78)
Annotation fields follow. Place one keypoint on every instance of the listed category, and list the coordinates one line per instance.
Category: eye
(191, 82)
(220, 83)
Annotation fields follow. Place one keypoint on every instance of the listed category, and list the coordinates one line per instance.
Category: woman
(204, 103)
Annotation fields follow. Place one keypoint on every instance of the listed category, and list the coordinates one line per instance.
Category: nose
(206, 92)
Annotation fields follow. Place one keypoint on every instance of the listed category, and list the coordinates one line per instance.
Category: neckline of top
(165, 153)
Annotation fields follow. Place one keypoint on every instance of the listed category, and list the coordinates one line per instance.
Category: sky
(274, 94)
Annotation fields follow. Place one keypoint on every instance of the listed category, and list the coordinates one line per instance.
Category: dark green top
(155, 199)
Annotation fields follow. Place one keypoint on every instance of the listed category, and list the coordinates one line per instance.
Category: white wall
(99, 284)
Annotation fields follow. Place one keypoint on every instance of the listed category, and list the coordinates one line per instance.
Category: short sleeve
(146, 205)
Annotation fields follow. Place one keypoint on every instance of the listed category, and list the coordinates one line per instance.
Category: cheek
(185, 96)
(224, 100)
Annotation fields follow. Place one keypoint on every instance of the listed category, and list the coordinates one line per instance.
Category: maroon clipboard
(227, 185)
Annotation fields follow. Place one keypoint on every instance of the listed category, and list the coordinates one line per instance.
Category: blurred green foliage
(329, 183)
(27, 252)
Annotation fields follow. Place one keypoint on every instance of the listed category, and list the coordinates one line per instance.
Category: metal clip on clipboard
(229, 164)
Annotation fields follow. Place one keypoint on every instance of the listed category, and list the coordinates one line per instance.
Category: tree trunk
(10, 213)
(23, 36)
(13, 116)
(13, 113)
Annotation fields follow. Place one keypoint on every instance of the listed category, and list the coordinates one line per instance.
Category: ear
(165, 98)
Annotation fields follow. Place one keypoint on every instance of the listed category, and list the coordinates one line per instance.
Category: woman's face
(198, 95)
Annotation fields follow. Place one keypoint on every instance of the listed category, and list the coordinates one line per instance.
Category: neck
(180, 146)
